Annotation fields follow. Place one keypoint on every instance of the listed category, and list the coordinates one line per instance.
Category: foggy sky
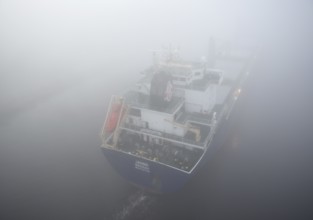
(65, 38)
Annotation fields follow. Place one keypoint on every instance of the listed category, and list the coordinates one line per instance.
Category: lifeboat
(113, 117)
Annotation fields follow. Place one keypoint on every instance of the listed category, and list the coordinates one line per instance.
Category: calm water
(51, 166)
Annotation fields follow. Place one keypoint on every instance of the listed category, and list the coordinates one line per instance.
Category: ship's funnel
(161, 90)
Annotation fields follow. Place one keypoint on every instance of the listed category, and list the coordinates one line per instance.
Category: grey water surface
(60, 62)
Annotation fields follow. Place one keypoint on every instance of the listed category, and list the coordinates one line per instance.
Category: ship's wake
(138, 205)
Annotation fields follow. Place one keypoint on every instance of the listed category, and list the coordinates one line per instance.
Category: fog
(56, 41)
(60, 61)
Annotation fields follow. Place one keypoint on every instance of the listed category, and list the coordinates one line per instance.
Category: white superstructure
(171, 114)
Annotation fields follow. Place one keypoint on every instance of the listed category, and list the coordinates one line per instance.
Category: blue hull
(153, 176)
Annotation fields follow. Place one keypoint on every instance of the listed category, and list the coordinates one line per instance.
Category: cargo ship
(160, 133)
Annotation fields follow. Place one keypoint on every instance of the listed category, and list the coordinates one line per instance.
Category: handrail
(102, 134)
(165, 136)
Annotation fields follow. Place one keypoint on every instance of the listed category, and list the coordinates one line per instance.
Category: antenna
(156, 58)
(171, 53)
(211, 53)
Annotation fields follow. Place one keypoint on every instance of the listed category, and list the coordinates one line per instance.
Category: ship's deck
(195, 118)
(187, 140)
(167, 153)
